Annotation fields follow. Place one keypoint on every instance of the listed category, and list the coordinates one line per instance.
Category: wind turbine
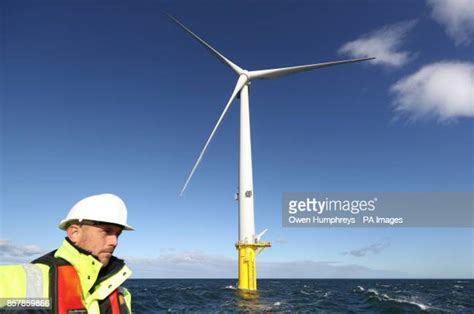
(249, 244)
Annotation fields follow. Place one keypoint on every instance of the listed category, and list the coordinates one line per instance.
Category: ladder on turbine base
(248, 263)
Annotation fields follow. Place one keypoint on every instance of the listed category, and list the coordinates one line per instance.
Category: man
(82, 275)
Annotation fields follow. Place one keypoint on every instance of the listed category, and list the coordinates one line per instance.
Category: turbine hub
(246, 75)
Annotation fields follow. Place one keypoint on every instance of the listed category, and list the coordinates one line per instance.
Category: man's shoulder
(50, 260)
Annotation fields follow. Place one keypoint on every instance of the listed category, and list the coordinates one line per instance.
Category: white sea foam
(373, 291)
(359, 289)
(420, 305)
(385, 297)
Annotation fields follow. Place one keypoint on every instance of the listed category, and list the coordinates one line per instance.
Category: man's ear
(74, 232)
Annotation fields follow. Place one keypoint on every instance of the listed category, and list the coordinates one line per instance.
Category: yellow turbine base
(248, 263)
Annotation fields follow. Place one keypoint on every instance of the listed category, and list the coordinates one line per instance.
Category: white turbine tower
(249, 244)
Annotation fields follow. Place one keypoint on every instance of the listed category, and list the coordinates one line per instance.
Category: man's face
(101, 239)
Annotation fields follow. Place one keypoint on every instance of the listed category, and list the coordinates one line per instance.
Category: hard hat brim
(64, 224)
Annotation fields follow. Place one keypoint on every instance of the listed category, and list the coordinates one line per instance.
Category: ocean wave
(230, 287)
(358, 289)
(383, 297)
(373, 291)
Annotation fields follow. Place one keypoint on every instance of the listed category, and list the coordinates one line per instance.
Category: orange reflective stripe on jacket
(114, 302)
(69, 290)
(69, 297)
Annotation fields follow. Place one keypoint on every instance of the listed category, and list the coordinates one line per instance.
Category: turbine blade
(240, 83)
(260, 235)
(224, 60)
(271, 73)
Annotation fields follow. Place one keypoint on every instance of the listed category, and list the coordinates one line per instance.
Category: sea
(303, 295)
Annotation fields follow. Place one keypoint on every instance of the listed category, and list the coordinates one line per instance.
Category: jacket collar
(79, 249)
(89, 269)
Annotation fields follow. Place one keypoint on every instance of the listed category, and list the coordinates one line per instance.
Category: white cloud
(197, 264)
(375, 248)
(443, 90)
(15, 253)
(383, 43)
(457, 16)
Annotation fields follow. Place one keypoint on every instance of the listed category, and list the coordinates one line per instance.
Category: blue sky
(113, 97)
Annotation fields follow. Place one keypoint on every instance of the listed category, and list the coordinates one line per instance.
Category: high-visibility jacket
(66, 280)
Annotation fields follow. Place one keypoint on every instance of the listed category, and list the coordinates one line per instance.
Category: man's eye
(112, 232)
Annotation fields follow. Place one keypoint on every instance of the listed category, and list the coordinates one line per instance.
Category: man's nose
(113, 240)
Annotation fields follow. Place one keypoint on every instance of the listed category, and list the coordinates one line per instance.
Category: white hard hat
(107, 208)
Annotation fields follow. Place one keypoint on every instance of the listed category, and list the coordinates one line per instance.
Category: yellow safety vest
(32, 283)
